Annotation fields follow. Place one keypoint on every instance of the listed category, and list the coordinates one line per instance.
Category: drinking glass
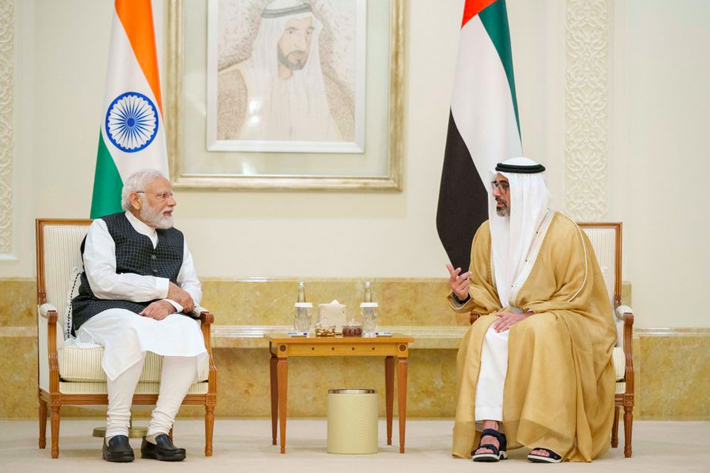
(368, 312)
(302, 319)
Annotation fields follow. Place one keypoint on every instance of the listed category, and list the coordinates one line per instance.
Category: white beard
(155, 217)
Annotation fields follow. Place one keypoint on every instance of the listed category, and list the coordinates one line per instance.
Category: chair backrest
(606, 241)
(58, 254)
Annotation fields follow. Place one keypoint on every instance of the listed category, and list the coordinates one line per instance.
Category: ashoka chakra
(131, 122)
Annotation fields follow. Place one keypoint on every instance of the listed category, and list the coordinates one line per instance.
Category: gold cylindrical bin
(352, 421)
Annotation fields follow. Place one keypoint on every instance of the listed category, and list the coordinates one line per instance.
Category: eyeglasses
(503, 187)
(162, 197)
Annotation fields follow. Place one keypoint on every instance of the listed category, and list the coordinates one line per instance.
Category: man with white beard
(280, 93)
(137, 283)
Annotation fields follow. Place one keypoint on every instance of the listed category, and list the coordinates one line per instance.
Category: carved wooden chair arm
(206, 320)
(628, 348)
(45, 310)
(49, 312)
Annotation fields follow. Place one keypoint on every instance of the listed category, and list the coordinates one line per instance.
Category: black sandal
(552, 458)
(498, 453)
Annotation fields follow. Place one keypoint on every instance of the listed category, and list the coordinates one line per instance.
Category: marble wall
(672, 365)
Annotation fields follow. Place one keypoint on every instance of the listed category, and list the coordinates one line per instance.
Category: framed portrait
(285, 94)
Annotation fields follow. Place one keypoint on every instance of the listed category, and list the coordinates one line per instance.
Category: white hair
(137, 182)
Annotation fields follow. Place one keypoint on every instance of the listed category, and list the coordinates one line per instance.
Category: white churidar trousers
(126, 337)
(173, 388)
(491, 377)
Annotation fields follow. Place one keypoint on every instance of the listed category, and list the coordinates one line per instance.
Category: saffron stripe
(136, 16)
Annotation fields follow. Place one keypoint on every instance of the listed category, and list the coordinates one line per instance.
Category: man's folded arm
(187, 279)
(100, 267)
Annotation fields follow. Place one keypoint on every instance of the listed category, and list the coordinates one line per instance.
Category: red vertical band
(473, 8)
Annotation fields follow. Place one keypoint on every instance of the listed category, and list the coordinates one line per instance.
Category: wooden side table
(394, 349)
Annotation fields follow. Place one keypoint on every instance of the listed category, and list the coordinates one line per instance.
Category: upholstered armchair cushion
(141, 388)
(603, 241)
(83, 365)
(74, 283)
(619, 363)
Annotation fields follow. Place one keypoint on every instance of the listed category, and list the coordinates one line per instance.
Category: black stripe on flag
(463, 200)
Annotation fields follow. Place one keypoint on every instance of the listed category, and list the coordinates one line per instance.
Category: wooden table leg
(402, 399)
(274, 397)
(282, 378)
(389, 394)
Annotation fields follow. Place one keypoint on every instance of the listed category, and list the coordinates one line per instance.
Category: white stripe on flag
(482, 104)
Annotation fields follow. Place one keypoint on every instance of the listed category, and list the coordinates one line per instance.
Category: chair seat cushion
(83, 365)
(142, 388)
(619, 363)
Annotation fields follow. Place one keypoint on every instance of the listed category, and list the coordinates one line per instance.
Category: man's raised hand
(458, 282)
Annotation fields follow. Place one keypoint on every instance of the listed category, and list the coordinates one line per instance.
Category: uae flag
(483, 126)
(132, 135)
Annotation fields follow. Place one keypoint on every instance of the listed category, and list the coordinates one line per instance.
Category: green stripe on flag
(107, 184)
(495, 20)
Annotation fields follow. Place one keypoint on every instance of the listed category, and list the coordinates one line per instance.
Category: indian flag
(132, 132)
(483, 125)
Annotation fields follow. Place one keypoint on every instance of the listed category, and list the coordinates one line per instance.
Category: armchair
(70, 375)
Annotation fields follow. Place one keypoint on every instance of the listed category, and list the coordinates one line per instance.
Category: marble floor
(245, 446)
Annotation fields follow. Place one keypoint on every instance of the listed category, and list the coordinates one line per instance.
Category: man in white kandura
(282, 81)
(538, 361)
(138, 284)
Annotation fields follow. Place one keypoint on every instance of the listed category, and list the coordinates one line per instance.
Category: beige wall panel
(660, 158)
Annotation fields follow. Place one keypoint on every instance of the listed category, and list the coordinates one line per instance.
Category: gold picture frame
(389, 181)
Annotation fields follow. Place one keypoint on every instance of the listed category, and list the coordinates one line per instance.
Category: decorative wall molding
(6, 131)
(586, 108)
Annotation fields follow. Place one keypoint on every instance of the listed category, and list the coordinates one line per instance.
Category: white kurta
(126, 335)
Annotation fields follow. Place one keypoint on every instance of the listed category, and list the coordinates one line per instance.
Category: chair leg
(209, 429)
(615, 428)
(55, 431)
(628, 428)
(42, 423)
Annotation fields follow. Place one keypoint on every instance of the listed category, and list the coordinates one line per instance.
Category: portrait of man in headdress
(282, 79)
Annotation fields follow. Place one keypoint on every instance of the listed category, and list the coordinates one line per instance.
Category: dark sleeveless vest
(134, 254)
